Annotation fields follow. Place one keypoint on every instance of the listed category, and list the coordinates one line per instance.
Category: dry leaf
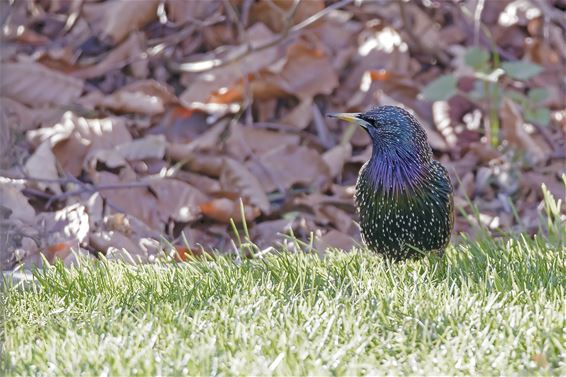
(172, 199)
(207, 141)
(70, 224)
(21, 118)
(205, 164)
(135, 201)
(181, 125)
(202, 86)
(150, 146)
(513, 127)
(287, 165)
(203, 183)
(42, 164)
(262, 141)
(336, 157)
(267, 233)
(130, 50)
(74, 137)
(35, 85)
(124, 16)
(183, 253)
(12, 198)
(59, 250)
(94, 208)
(181, 11)
(334, 239)
(301, 115)
(224, 209)
(264, 12)
(125, 101)
(297, 76)
(178, 200)
(236, 177)
(118, 246)
(339, 218)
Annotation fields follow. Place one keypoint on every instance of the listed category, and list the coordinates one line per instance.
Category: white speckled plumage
(404, 197)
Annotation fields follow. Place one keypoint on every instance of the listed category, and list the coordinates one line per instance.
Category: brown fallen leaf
(334, 239)
(130, 50)
(70, 224)
(262, 140)
(296, 77)
(223, 210)
(202, 86)
(59, 250)
(266, 12)
(342, 220)
(268, 233)
(135, 201)
(124, 16)
(285, 166)
(203, 183)
(181, 11)
(209, 140)
(73, 137)
(336, 157)
(300, 116)
(42, 164)
(35, 85)
(147, 147)
(118, 246)
(19, 117)
(204, 164)
(235, 176)
(514, 130)
(12, 198)
(183, 253)
(125, 101)
(171, 199)
(181, 125)
(178, 200)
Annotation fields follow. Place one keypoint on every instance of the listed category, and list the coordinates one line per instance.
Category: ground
(489, 307)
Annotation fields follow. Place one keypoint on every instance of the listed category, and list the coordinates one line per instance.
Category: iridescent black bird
(403, 196)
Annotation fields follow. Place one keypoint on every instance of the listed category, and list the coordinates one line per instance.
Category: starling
(404, 197)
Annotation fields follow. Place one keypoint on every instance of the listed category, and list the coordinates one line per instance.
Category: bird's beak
(350, 118)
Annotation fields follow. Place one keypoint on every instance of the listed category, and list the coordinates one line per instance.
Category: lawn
(489, 307)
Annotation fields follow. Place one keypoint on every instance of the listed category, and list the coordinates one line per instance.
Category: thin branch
(206, 65)
(84, 187)
(477, 21)
(551, 13)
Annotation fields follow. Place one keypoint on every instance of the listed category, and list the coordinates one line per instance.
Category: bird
(404, 198)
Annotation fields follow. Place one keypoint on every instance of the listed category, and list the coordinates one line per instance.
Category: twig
(477, 21)
(551, 13)
(206, 65)
(84, 187)
(246, 12)
(547, 136)
(486, 38)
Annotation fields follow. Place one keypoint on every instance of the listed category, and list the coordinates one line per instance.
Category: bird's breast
(394, 221)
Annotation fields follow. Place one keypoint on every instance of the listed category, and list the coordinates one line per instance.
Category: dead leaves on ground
(161, 121)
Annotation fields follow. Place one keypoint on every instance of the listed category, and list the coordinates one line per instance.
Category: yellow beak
(350, 118)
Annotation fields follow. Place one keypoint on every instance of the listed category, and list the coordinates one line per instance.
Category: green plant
(489, 88)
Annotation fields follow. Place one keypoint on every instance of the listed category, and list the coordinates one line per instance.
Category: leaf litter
(140, 130)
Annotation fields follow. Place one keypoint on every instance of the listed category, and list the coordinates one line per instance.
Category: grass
(490, 307)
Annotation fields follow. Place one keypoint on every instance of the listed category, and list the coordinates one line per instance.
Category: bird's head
(393, 131)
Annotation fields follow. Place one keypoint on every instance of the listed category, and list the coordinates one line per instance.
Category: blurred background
(146, 125)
